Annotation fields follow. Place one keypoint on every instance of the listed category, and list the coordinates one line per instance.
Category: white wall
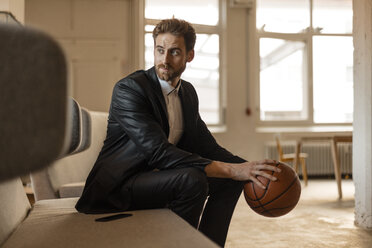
(16, 7)
(96, 38)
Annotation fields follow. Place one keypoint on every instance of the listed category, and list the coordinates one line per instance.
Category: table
(336, 164)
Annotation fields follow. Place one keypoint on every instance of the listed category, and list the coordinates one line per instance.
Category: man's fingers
(267, 164)
(262, 168)
(265, 161)
(268, 167)
(268, 161)
(257, 182)
(264, 174)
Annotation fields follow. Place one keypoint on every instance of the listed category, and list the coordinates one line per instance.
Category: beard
(171, 74)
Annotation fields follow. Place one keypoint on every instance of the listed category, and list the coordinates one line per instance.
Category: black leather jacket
(137, 140)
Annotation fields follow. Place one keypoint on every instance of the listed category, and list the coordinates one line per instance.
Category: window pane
(149, 28)
(194, 11)
(282, 80)
(333, 79)
(333, 16)
(287, 16)
(202, 72)
(149, 51)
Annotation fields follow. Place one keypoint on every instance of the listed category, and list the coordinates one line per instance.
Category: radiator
(319, 161)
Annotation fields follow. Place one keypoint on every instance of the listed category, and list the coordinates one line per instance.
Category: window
(204, 71)
(306, 61)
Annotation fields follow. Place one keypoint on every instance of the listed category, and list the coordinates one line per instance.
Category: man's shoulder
(140, 78)
(137, 76)
(188, 86)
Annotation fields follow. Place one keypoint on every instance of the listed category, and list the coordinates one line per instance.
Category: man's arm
(242, 171)
(209, 148)
(224, 164)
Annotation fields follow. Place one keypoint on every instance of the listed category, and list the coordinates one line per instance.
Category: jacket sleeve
(133, 110)
(207, 145)
(209, 148)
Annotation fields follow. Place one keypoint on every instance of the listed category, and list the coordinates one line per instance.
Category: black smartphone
(113, 217)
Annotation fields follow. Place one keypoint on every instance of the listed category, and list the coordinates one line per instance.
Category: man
(159, 153)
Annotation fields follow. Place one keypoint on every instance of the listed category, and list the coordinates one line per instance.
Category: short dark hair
(176, 27)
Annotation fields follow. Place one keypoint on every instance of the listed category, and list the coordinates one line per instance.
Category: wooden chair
(290, 157)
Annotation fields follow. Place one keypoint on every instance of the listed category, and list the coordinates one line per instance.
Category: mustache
(164, 66)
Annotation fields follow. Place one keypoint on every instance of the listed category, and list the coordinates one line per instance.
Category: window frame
(307, 38)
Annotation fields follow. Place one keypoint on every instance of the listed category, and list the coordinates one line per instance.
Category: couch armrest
(71, 190)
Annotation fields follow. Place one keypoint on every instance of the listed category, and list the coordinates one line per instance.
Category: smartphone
(113, 217)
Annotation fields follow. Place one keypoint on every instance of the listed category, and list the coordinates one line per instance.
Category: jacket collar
(167, 88)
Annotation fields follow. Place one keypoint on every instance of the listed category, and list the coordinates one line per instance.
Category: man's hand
(244, 171)
(249, 171)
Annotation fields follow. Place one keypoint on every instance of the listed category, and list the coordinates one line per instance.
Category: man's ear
(190, 55)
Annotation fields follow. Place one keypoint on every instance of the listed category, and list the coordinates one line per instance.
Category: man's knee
(225, 186)
(193, 181)
(236, 185)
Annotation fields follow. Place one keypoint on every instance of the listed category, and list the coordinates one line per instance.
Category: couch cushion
(55, 223)
(71, 190)
(75, 168)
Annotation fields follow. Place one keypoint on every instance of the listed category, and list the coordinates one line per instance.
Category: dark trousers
(185, 192)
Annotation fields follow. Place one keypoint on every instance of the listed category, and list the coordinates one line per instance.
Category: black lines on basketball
(279, 197)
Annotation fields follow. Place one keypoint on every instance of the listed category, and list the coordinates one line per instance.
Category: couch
(41, 126)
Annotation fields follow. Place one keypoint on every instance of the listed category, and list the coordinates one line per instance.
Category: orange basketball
(279, 197)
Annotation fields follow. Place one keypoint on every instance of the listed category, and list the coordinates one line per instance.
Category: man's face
(170, 57)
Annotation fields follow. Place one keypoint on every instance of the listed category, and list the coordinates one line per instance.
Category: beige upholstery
(14, 206)
(66, 176)
(75, 168)
(55, 223)
(71, 190)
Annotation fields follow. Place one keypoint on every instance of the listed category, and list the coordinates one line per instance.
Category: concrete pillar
(16, 7)
(362, 135)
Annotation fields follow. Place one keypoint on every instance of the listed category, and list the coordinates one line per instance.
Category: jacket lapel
(155, 85)
(186, 139)
(185, 113)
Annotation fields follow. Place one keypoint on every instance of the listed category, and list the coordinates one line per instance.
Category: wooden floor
(319, 220)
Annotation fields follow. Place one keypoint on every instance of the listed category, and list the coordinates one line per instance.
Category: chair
(290, 157)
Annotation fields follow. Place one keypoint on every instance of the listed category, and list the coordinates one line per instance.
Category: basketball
(279, 197)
